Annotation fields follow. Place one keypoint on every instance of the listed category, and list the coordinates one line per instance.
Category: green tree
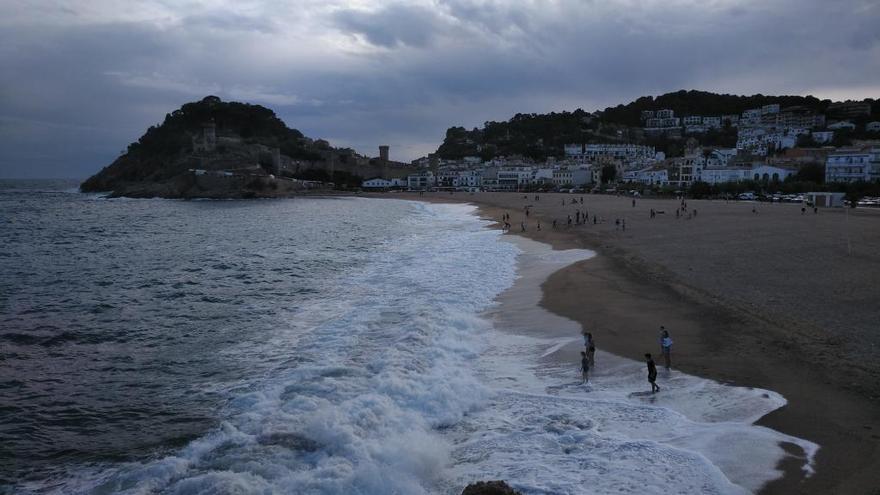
(609, 173)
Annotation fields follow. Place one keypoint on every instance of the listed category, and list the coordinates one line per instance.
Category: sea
(337, 345)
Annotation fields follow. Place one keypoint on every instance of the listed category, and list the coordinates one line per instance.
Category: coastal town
(773, 145)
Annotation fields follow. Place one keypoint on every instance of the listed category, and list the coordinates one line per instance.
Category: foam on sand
(545, 432)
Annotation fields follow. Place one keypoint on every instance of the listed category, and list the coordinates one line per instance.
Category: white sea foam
(398, 382)
(381, 364)
(544, 432)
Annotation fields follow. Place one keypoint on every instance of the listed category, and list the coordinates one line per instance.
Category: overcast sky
(79, 80)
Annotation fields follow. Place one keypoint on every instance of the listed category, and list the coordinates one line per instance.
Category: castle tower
(209, 136)
(383, 152)
(276, 161)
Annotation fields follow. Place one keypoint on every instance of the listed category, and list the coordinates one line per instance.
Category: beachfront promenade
(757, 294)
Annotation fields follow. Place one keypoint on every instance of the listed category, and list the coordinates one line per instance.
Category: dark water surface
(124, 324)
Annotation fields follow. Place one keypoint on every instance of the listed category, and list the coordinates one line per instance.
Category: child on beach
(585, 367)
(652, 373)
(666, 347)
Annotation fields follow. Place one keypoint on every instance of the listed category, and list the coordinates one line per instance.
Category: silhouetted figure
(652, 373)
(585, 367)
(590, 346)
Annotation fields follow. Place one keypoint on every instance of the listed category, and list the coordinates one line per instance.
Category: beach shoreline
(622, 297)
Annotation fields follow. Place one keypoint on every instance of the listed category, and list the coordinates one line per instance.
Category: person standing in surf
(666, 347)
(585, 367)
(652, 373)
(590, 346)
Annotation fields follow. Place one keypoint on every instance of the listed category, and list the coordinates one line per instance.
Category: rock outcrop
(497, 487)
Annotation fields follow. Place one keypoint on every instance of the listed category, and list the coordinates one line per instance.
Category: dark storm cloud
(77, 87)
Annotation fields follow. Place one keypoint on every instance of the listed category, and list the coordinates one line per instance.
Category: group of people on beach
(588, 358)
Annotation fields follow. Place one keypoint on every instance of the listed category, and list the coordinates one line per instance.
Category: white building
(758, 140)
(768, 173)
(712, 122)
(695, 129)
(376, 183)
(719, 158)
(693, 120)
(619, 151)
(751, 117)
(843, 124)
(651, 176)
(826, 199)
(769, 109)
(543, 176)
(667, 123)
(722, 175)
(420, 181)
(822, 137)
(572, 176)
(759, 172)
(513, 178)
(853, 165)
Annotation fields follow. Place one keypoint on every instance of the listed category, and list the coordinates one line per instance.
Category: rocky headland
(217, 149)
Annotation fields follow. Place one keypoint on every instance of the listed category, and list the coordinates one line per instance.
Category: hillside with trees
(161, 160)
(539, 136)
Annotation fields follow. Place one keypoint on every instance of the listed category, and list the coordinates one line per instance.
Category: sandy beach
(756, 295)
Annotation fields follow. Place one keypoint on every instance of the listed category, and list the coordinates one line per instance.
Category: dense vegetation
(539, 136)
(163, 151)
(533, 135)
(253, 123)
(706, 104)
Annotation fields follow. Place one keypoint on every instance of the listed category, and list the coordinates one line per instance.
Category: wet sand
(771, 299)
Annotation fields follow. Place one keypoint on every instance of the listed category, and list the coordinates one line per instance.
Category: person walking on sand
(585, 367)
(666, 347)
(652, 373)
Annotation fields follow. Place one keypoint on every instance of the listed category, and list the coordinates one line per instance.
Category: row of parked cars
(773, 198)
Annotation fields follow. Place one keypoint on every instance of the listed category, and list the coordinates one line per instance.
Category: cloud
(366, 72)
(391, 26)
